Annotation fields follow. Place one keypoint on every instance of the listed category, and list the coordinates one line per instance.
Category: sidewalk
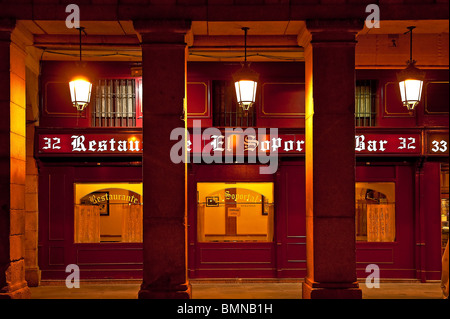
(233, 290)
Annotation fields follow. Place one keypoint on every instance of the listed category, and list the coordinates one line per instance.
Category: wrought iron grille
(365, 103)
(115, 103)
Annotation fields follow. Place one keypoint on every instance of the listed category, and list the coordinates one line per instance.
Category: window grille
(365, 103)
(226, 111)
(115, 103)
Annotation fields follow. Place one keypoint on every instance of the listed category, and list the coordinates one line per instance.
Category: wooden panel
(56, 226)
(266, 272)
(235, 255)
(57, 199)
(296, 252)
(375, 255)
(92, 256)
(198, 100)
(56, 256)
(384, 173)
(57, 101)
(283, 100)
(436, 94)
(295, 201)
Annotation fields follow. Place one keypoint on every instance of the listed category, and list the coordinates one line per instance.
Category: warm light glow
(80, 93)
(246, 93)
(411, 92)
(411, 80)
(245, 82)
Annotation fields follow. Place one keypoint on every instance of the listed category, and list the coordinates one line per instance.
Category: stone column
(12, 164)
(32, 271)
(330, 159)
(164, 53)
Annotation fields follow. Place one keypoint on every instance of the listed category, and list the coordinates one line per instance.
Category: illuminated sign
(408, 144)
(68, 144)
(90, 144)
(437, 143)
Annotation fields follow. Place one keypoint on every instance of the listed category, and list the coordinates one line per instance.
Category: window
(444, 204)
(235, 212)
(108, 212)
(365, 103)
(116, 103)
(226, 111)
(375, 212)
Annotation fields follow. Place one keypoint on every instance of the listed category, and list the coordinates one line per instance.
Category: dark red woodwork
(395, 259)
(286, 256)
(280, 104)
(56, 224)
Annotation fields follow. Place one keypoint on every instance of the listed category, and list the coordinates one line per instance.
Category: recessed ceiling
(219, 41)
(205, 28)
(400, 27)
(255, 28)
(91, 27)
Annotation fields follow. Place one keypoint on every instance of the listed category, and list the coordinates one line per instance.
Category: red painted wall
(280, 96)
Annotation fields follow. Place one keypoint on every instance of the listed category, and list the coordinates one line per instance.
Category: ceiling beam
(91, 41)
(130, 10)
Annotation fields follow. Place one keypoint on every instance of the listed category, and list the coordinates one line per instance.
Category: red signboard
(131, 143)
(437, 143)
(367, 144)
(89, 144)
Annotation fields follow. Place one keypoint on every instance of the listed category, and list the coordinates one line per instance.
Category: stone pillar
(12, 164)
(32, 271)
(164, 53)
(330, 159)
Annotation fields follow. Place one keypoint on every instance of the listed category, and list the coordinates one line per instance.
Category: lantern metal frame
(411, 73)
(80, 104)
(245, 74)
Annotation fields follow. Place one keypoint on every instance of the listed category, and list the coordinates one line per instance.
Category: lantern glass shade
(411, 83)
(80, 93)
(411, 91)
(246, 82)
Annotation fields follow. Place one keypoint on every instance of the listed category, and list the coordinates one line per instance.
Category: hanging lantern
(80, 88)
(245, 82)
(80, 93)
(411, 81)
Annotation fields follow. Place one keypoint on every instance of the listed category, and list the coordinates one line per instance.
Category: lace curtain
(87, 224)
(381, 222)
(132, 223)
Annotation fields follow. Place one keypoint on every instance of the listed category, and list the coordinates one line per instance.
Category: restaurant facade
(163, 177)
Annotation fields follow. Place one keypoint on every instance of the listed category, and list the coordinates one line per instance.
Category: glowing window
(375, 212)
(235, 212)
(110, 212)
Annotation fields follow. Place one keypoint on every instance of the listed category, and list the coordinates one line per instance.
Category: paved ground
(233, 290)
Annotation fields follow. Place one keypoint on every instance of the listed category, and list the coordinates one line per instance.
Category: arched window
(375, 212)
